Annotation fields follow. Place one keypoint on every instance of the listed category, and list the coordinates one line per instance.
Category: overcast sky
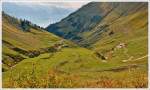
(41, 13)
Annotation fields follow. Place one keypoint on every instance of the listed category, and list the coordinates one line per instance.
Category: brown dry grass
(53, 79)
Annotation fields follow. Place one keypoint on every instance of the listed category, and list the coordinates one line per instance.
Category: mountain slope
(86, 25)
(19, 44)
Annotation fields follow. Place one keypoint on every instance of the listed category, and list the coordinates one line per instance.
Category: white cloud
(71, 5)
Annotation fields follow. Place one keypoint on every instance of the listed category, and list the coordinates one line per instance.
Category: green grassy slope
(125, 25)
(16, 41)
(27, 40)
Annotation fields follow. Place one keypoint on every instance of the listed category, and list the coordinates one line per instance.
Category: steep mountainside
(87, 25)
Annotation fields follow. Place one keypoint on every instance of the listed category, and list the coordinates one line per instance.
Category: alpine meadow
(97, 45)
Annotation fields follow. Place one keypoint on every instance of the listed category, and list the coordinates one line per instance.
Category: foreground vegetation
(73, 69)
(53, 80)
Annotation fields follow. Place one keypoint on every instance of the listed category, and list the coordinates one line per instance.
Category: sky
(41, 13)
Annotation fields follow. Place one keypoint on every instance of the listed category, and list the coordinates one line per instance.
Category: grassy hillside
(87, 25)
(116, 53)
(19, 44)
(127, 25)
(131, 30)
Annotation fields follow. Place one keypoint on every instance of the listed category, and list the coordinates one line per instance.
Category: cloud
(71, 5)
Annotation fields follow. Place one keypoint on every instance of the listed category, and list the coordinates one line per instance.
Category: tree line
(26, 25)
